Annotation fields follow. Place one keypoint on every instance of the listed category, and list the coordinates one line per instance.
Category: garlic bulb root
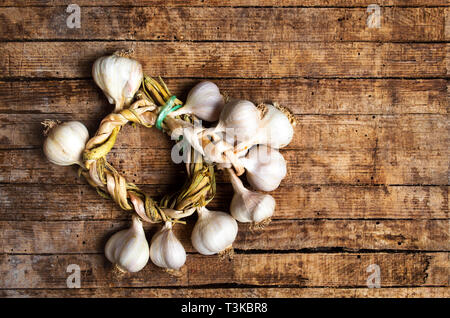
(65, 143)
(287, 113)
(227, 253)
(128, 249)
(174, 272)
(257, 226)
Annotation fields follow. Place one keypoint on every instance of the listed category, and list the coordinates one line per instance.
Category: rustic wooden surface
(368, 179)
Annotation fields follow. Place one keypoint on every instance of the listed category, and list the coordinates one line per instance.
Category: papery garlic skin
(65, 143)
(265, 167)
(204, 101)
(240, 119)
(275, 130)
(249, 206)
(214, 231)
(119, 78)
(166, 250)
(128, 249)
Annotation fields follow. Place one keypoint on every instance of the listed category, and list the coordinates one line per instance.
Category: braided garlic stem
(198, 190)
(104, 177)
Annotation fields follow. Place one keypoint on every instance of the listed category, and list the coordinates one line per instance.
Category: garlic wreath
(257, 132)
(119, 78)
(128, 249)
(65, 143)
(214, 231)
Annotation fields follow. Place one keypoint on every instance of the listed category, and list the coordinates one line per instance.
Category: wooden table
(367, 186)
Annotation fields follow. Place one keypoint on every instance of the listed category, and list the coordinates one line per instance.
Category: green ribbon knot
(166, 110)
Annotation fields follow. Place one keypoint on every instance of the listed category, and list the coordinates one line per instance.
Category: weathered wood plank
(41, 237)
(302, 96)
(257, 292)
(380, 150)
(418, 144)
(225, 59)
(307, 270)
(414, 292)
(81, 202)
(207, 24)
(315, 166)
(313, 132)
(232, 3)
(393, 165)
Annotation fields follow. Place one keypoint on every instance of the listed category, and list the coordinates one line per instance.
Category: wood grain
(256, 292)
(302, 96)
(231, 3)
(283, 270)
(207, 24)
(315, 132)
(42, 237)
(225, 59)
(81, 202)
(367, 170)
(304, 167)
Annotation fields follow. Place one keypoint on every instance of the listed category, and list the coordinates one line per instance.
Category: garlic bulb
(166, 250)
(204, 101)
(249, 206)
(214, 231)
(119, 78)
(275, 130)
(65, 143)
(240, 119)
(128, 249)
(265, 167)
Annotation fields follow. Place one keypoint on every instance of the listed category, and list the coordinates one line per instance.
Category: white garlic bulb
(249, 206)
(204, 101)
(214, 231)
(240, 119)
(128, 249)
(275, 130)
(119, 78)
(65, 143)
(265, 167)
(166, 250)
(276, 127)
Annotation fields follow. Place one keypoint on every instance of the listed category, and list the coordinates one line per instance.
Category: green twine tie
(166, 110)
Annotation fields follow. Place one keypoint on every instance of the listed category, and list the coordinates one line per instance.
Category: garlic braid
(98, 146)
(198, 190)
(103, 176)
